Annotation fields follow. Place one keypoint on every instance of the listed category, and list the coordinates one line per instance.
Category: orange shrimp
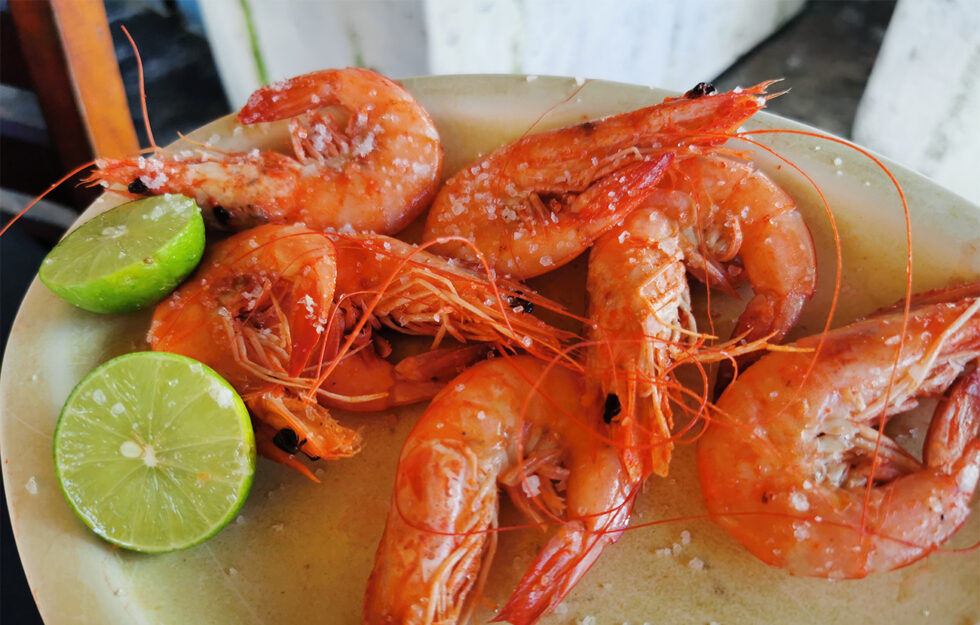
(804, 476)
(740, 226)
(640, 308)
(710, 211)
(536, 203)
(254, 311)
(261, 311)
(519, 424)
(429, 295)
(371, 160)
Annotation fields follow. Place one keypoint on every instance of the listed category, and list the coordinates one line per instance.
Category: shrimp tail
(366, 382)
(956, 423)
(440, 365)
(558, 567)
(573, 550)
(767, 317)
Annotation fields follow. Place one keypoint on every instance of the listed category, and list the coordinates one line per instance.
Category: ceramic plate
(301, 552)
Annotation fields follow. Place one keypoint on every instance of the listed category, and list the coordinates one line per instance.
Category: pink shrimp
(804, 477)
(511, 422)
(370, 160)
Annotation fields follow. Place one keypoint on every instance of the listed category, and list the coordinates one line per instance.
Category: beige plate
(301, 553)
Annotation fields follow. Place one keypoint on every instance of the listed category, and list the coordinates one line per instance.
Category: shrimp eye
(138, 186)
(514, 301)
(286, 440)
(612, 407)
(700, 90)
(223, 216)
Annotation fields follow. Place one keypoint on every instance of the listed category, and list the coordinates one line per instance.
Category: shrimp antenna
(139, 69)
(58, 183)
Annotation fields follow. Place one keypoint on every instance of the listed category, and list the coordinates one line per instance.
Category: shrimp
(802, 474)
(536, 203)
(372, 160)
(270, 311)
(640, 309)
(518, 423)
(740, 226)
(431, 296)
(254, 311)
(710, 211)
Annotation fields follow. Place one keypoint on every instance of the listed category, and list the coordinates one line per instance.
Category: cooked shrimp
(710, 211)
(428, 295)
(255, 311)
(799, 471)
(371, 159)
(261, 311)
(740, 226)
(518, 424)
(536, 203)
(640, 309)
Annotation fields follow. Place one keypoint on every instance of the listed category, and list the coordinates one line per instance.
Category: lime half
(154, 451)
(128, 257)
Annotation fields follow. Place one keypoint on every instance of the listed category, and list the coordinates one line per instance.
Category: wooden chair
(67, 51)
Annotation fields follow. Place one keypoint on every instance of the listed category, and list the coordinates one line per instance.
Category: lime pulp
(154, 451)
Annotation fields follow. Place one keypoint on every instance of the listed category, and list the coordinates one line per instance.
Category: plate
(301, 552)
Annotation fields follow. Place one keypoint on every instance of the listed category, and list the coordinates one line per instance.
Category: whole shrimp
(519, 424)
(799, 471)
(709, 213)
(371, 159)
(640, 308)
(261, 311)
(535, 204)
(254, 311)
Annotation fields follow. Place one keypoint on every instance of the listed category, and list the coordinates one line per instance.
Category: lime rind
(128, 257)
(189, 471)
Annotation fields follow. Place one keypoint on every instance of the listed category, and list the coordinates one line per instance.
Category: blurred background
(901, 78)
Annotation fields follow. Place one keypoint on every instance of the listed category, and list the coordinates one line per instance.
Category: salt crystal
(31, 485)
(696, 563)
(531, 486)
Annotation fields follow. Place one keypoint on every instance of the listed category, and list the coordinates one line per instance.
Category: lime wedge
(128, 257)
(154, 451)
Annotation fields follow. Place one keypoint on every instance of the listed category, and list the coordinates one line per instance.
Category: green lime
(128, 257)
(154, 451)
